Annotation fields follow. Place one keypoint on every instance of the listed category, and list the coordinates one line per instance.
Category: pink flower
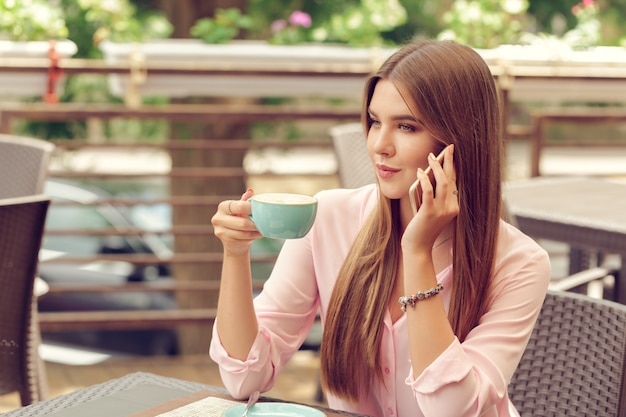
(582, 5)
(278, 25)
(299, 18)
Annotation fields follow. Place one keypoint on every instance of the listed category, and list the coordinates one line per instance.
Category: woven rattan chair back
(22, 222)
(23, 165)
(574, 362)
(354, 164)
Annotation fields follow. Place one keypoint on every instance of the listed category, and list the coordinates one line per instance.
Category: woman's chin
(393, 193)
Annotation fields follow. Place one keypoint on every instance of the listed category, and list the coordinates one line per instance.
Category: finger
(425, 185)
(231, 226)
(450, 170)
(435, 165)
(441, 180)
(240, 235)
(228, 208)
(239, 208)
(249, 193)
(448, 164)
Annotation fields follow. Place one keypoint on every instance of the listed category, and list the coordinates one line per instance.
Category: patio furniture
(355, 166)
(575, 361)
(22, 222)
(23, 165)
(542, 119)
(587, 213)
(143, 394)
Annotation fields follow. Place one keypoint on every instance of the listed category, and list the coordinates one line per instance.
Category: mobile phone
(415, 191)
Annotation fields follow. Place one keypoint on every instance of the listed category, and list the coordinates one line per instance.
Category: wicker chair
(355, 166)
(24, 169)
(23, 165)
(22, 222)
(575, 361)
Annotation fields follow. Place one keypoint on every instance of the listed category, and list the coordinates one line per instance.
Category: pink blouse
(467, 379)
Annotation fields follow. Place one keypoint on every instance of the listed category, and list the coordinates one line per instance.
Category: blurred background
(245, 99)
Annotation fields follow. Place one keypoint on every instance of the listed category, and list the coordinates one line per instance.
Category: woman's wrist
(418, 256)
(238, 252)
(419, 271)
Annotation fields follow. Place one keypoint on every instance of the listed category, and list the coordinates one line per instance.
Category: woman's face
(397, 142)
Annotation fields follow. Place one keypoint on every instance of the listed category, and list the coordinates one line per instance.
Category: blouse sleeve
(471, 377)
(286, 310)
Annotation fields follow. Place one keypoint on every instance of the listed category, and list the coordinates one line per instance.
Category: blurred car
(83, 215)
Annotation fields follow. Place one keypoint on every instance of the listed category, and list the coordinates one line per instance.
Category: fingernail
(249, 193)
(431, 155)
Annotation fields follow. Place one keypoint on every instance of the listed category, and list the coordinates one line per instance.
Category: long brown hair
(452, 89)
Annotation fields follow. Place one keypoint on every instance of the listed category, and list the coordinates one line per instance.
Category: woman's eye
(406, 128)
(374, 122)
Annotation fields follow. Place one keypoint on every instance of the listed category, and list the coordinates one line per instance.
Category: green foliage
(423, 21)
(553, 16)
(92, 21)
(265, 12)
(585, 33)
(486, 23)
(489, 23)
(226, 25)
(86, 22)
(363, 24)
(293, 30)
(353, 22)
(31, 20)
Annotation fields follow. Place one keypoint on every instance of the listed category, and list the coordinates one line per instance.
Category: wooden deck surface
(297, 382)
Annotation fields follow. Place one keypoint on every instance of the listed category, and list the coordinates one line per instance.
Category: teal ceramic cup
(282, 215)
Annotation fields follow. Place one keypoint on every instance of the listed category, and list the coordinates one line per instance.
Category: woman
(424, 314)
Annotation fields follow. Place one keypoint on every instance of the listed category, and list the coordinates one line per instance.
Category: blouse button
(390, 411)
(387, 370)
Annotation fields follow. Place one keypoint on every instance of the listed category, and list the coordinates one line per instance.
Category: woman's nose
(381, 141)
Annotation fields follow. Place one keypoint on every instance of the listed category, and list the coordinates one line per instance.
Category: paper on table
(210, 406)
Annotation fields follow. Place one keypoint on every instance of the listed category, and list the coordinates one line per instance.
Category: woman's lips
(385, 172)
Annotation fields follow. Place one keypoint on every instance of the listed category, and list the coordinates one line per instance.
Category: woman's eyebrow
(409, 117)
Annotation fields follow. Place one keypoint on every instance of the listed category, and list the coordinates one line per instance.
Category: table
(588, 213)
(128, 396)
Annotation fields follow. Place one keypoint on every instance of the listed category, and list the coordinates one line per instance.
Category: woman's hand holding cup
(232, 225)
(238, 223)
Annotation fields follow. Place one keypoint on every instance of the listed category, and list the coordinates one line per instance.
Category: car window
(75, 218)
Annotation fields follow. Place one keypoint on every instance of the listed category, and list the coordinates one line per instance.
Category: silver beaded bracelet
(411, 300)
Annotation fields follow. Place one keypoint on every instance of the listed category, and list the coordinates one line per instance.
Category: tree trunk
(194, 339)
